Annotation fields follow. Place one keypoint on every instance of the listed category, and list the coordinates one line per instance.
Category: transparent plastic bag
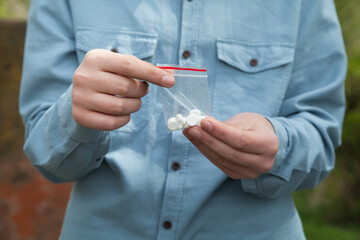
(187, 102)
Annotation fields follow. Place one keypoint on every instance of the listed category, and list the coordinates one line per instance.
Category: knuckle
(235, 155)
(220, 132)
(119, 106)
(229, 155)
(127, 62)
(241, 141)
(111, 124)
(79, 76)
(126, 86)
(153, 73)
(92, 56)
(208, 141)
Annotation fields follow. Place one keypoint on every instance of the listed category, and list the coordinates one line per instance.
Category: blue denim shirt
(124, 183)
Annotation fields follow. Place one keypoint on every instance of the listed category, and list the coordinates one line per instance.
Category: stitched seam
(114, 30)
(256, 44)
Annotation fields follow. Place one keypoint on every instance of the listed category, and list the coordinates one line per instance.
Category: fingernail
(168, 81)
(194, 133)
(206, 125)
(148, 90)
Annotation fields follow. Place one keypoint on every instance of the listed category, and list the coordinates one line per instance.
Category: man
(276, 72)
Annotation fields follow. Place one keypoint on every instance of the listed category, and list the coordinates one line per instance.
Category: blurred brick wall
(31, 208)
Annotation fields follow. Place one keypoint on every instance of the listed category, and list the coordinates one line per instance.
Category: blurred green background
(13, 9)
(332, 210)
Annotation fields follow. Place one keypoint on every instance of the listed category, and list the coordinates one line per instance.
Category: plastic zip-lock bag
(187, 102)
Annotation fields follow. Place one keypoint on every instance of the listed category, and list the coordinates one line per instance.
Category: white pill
(186, 126)
(180, 126)
(179, 117)
(191, 120)
(183, 121)
(172, 124)
(195, 112)
(199, 120)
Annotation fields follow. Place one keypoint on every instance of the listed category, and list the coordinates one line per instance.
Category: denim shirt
(282, 59)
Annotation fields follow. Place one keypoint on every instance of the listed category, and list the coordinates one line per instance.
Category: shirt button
(175, 166)
(253, 62)
(114, 50)
(167, 225)
(186, 54)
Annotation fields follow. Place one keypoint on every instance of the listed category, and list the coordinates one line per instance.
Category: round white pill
(183, 121)
(195, 112)
(191, 120)
(186, 126)
(179, 117)
(172, 124)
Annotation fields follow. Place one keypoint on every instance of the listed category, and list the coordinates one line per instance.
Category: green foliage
(350, 22)
(13, 9)
(315, 231)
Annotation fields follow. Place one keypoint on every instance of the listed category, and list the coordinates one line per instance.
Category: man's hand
(245, 146)
(101, 78)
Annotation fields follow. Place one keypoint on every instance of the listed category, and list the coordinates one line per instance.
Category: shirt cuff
(280, 168)
(283, 139)
(74, 130)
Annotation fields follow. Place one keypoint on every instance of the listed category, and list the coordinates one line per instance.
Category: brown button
(175, 166)
(167, 225)
(253, 62)
(186, 54)
(114, 50)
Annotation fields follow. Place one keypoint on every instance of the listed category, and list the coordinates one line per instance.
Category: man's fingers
(114, 84)
(211, 156)
(232, 170)
(110, 104)
(130, 66)
(246, 141)
(100, 121)
(231, 155)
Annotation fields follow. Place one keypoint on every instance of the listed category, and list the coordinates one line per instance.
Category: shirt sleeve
(58, 147)
(310, 120)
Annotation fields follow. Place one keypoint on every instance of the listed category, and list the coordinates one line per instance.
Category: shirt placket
(189, 30)
(176, 167)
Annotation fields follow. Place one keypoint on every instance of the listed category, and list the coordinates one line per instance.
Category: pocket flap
(254, 57)
(141, 45)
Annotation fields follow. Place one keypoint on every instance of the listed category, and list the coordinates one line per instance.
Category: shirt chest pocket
(141, 45)
(251, 76)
